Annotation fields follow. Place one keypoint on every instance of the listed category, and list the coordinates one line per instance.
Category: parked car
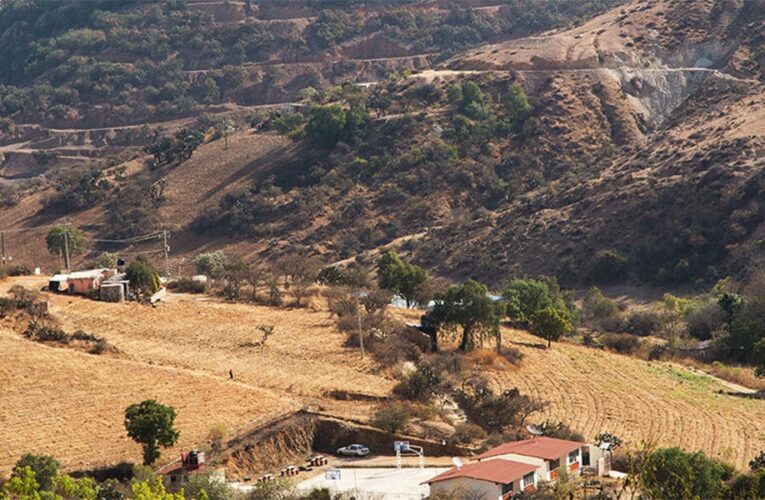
(353, 450)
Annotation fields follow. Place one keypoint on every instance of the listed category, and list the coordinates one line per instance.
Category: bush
(560, 430)
(597, 306)
(419, 384)
(187, 285)
(705, 320)
(609, 266)
(467, 433)
(623, 343)
(642, 323)
(391, 417)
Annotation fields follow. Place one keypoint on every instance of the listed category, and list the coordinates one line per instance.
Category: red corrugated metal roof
(498, 471)
(538, 447)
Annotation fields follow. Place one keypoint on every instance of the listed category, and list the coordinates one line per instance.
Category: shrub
(705, 320)
(467, 433)
(674, 473)
(609, 266)
(419, 384)
(392, 417)
(597, 306)
(642, 323)
(623, 343)
(559, 430)
(187, 285)
(45, 468)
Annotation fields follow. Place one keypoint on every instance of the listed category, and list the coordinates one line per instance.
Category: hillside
(82, 396)
(644, 142)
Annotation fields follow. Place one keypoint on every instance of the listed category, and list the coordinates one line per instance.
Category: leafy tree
(674, 473)
(84, 488)
(391, 416)
(288, 122)
(145, 490)
(208, 485)
(731, 304)
(21, 485)
(106, 260)
(61, 236)
(597, 306)
(551, 323)
(379, 101)
(672, 312)
(143, 276)
(469, 307)
(302, 272)
(526, 297)
(606, 437)
(516, 104)
(45, 468)
(400, 277)
(150, 424)
(212, 264)
(326, 125)
(282, 488)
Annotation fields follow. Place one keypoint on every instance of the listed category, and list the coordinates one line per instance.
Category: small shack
(84, 282)
(58, 283)
(191, 463)
(112, 292)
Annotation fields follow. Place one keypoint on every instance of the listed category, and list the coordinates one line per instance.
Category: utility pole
(2, 248)
(167, 250)
(66, 248)
(358, 319)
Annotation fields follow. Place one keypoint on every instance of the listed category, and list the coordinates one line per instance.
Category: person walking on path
(231, 374)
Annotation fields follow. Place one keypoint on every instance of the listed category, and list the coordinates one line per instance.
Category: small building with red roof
(492, 479)
(548, 454)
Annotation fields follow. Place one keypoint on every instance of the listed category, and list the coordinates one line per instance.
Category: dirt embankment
(292, 438)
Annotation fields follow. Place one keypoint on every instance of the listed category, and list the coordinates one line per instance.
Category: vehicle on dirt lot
(353, 450)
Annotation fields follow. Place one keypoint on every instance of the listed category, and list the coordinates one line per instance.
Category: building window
(507, 488)
(554, 464)
(528, 480)
(573, 457)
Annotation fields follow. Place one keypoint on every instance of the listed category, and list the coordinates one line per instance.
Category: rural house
(83, 282)
(548, 454)
(492, 479)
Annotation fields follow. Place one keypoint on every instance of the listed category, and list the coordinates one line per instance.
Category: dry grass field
(68, 403)
(594, 391)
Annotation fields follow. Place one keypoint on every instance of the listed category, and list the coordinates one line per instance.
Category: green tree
(212, 264)
(516, 104)
(400, 277)
(469, 307)
(674, 473)
(551, 323)
(45, 468)
(63, 238)
(379, 101)
(730, 304)
(392, 417)
(143, 276)
(150, 424)
(326, 125)
(22, 485)
(146, 490)
(526, 297)
(83, 488)
(209, 485)
(107, 260)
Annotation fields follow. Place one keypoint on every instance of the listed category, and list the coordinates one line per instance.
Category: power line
(135, 239)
